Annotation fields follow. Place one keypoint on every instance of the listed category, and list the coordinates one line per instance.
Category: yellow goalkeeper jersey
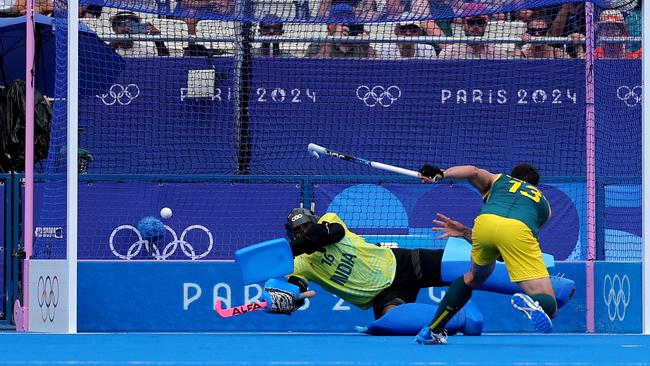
(352, 269)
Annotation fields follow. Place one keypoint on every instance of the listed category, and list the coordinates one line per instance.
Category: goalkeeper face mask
(298, 222)
(297, 232)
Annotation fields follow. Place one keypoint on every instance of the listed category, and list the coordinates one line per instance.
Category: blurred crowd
(384, 29)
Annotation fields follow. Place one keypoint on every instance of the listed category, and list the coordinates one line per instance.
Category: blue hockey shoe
(538, 318)
(426, 337)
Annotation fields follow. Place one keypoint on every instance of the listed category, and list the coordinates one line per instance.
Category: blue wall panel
(617, 297)
(179, 296)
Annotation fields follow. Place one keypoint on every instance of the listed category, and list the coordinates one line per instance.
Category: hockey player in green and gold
(514, 210)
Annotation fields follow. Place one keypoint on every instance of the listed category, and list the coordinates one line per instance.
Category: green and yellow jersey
(352, 269)
(516, 199)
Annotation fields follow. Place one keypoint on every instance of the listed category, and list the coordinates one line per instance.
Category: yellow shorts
(493, 235)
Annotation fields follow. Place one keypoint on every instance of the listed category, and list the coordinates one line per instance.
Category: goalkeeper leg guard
(407, 319)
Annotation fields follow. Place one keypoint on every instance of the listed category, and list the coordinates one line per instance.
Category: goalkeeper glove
(432, 172)
(281, 297)
(282, 302)
(303, 285)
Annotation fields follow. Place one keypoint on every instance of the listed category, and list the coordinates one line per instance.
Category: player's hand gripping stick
(280, 297)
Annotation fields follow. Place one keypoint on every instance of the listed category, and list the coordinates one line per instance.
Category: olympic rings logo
(616, 295)
(385, 97)
(48, 296)
(169, 249)
(118, 93)
(630, 96)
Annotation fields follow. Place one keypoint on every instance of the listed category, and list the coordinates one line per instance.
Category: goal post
(646, 179)
(52, 281)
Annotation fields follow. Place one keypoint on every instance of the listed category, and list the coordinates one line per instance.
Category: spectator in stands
(15, 8)
(127, 22)
(499, 17)
(473, 26)
(522, 15)
(271, 26)
(539, 28)
(362, 9)
(568, 19)
(395, 9)
(345, 26)
(12, 8)
(612, 24)
(634, 24)
(421, 9)
(191, 11)
(90, 11)
(431, 8)
(407, 28)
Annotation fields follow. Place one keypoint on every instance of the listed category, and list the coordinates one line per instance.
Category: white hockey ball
(166, 213)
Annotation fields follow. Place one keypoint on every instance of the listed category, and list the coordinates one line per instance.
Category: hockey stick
(317, 151)
(247, 308)
(239, 310)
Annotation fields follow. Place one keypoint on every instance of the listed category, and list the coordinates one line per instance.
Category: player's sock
(456, 297)
(547, 302)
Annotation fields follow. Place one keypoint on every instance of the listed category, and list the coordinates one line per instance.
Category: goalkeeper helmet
(297, 217)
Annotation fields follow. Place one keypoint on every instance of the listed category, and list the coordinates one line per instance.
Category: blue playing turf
(319, 349)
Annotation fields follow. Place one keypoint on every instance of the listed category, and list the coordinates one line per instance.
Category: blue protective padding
(284, 286)
(268, 259)
(456, 261)
(563, 288)
(458, 250)
(473, 325)
(280, 285)
(408, 319)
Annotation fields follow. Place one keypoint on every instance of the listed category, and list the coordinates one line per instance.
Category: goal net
(207, 108)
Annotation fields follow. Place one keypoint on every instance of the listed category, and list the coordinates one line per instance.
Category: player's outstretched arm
(451, 228)
(430, 173)
(316, 237)
(481, 179)
(303, 285)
